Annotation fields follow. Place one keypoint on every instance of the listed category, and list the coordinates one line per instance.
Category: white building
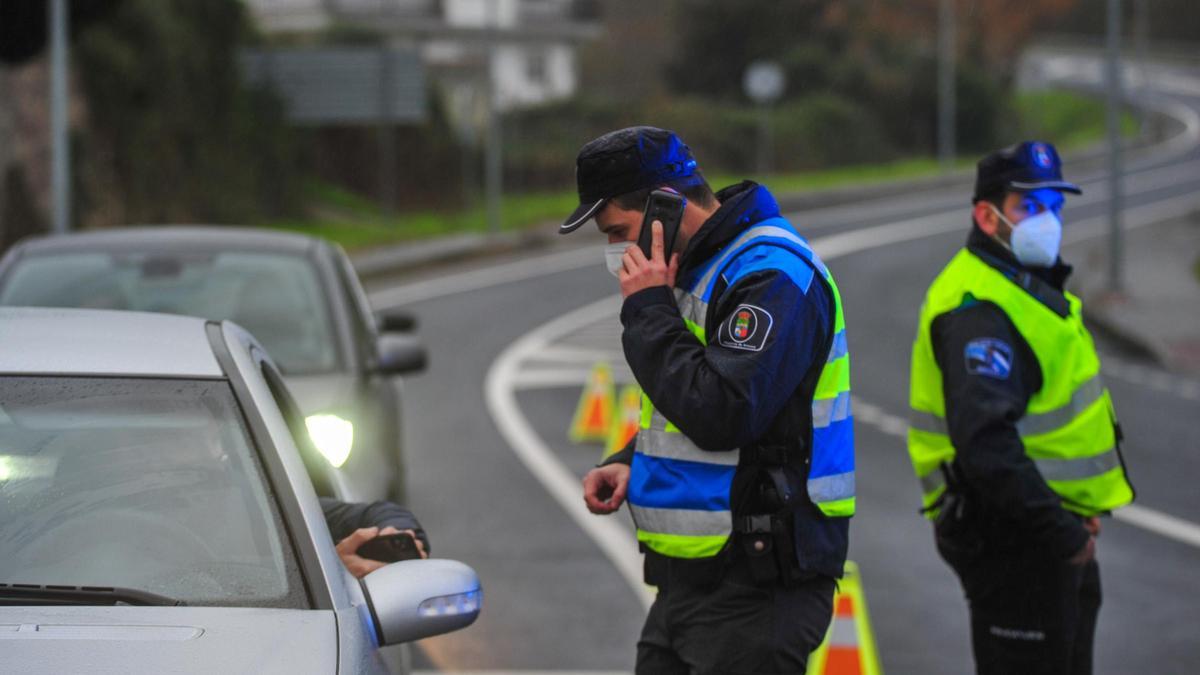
(524, 49)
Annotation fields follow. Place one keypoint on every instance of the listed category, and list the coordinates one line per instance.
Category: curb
(399, 259)
(1096, 314)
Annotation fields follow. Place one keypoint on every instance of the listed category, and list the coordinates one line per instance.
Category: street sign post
(764, 82)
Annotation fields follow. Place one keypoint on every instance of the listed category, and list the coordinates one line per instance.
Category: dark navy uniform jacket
(724, 398)
(1014, 505)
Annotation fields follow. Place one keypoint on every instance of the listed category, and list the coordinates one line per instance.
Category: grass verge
(1068, 119)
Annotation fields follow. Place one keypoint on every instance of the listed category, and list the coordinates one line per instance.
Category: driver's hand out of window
(359, 566)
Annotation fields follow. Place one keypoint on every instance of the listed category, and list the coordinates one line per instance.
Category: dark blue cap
(1032, 165)
(626, 160)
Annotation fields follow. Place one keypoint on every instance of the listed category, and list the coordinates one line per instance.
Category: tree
(173, 134)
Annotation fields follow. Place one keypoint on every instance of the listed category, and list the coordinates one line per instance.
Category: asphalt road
(494, 476)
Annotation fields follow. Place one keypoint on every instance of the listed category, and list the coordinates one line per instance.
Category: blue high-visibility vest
(679, 494)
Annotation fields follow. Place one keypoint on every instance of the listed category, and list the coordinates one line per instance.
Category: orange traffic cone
(849, 646)
(627, 422)
(594, 415)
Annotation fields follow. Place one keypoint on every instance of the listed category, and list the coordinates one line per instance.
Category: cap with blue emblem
(626, 160)
(1024, 167)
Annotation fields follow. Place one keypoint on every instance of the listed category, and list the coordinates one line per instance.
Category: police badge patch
(747, 328)
(990, 357)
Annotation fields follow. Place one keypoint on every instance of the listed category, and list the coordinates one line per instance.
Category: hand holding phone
(391, 548)
(665, 206)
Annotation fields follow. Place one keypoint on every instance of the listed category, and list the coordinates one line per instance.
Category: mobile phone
(665, 206)
(390, 548)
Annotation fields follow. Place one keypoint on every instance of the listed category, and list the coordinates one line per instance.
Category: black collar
(1045, 284)
(1055, 275)
(742, 206)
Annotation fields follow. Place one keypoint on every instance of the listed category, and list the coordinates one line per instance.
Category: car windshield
(276, 296)
(148, 484)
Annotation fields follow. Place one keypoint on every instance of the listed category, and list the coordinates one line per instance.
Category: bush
(172, 134)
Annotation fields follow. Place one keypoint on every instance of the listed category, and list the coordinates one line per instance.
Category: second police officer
(741, 480)
(1013, 435)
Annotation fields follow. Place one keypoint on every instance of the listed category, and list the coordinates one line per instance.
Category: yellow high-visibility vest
(1069, 425)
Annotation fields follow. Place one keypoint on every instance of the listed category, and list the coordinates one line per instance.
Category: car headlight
(333, 436)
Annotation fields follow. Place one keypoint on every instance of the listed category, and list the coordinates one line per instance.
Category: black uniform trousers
(733, 626)
(1031, 613)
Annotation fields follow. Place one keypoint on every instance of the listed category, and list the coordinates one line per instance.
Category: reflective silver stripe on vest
(674, 445)
(927, 421)
(826, 411)
(1078, 468)
(933, 481)
(839, 348)
(691, 307)
(1084, 395)
(1031, 424)
(686, 522)
(831, 488)
(750, 234)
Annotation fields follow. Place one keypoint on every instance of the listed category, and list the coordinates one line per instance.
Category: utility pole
(494, 163)
(60, 150)
(1115, 206)
(389, 173)
(946, 94)
(1141, 36)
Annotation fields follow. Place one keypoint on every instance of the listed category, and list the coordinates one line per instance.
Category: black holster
(958, 524)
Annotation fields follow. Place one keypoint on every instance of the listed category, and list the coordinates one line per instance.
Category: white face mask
(1035, 240)
(613, 254)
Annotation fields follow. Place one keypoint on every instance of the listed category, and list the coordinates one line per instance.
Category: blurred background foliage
(172, 134)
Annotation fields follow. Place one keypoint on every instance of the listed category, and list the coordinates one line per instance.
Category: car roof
(172, 237)
(44, 341)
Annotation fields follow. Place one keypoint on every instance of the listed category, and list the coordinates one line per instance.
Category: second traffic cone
(627, 422)
(849, 646)
(594, 415)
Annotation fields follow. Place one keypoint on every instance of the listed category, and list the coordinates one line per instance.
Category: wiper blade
(54, 594)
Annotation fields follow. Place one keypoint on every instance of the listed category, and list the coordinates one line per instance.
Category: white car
(157, 516)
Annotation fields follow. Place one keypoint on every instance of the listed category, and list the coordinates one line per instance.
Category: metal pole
(946, 92)
(764, 139)
(1141, 36)
(388, 167)
(494, 161)
(60, 152)
(1113, 72)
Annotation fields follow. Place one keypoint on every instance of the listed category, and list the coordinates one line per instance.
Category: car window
(276, 296)
(314, 464)
(138, 483)
(361, 318)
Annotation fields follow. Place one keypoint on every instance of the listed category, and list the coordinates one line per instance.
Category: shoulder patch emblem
(989, 357)
(747, 328)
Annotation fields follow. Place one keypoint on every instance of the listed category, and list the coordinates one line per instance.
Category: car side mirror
(395, 322)
(415, 599)
(399, 354)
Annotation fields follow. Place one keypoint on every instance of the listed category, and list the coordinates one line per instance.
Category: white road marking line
(833, 245)
(1151, 377)
(1160, 523)
(485, 277)
(539, 378)
(543, 462)
(573, 354)
(526, 672)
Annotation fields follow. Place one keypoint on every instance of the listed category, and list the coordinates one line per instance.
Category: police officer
(1013, 435)
(741, 480)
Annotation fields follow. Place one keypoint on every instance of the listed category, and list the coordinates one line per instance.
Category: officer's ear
(986, 218)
